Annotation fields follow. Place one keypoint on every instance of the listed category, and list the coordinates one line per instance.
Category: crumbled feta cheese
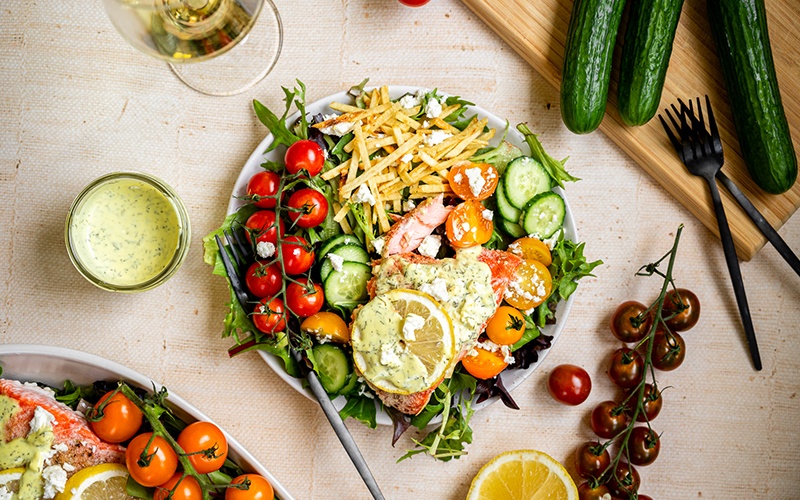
(378, 135)
(409, 205)
(5, 494)
(409, 101)
(45, 391)
(407, 158)
(433, 108)
(515, 248)
(507, 356)
(338, 129)
(487, 214)
(437, 137)
(488, 346)
(472, 352)
(336, 261)
(378, 243)
(421, 93)
(476, 180)
(389, 355)
(551, 241)
(324, 339)
(430, 245)
(265, 249)
(457, 178)
(60, 447)
(41, 419)
(362, 195)
(411, 324)
(437, 289)
(55, 478)
(466, 227)
(68, 467)
(426, 124)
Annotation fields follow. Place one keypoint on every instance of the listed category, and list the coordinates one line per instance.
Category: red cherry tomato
(187, 489)
(599, 492)
(569, 384)
(205, 446)
(304, 155)
(262, 224)
(263, 187)
(682, 307)
(609, 419)
(258, 488)
(302, 301)
(414, 3)
(588, 463)
(669, 349)
(625, 480)
(651, 404)
(307, 208)
(296, 258)
(120, 418)
(160, 463)
(643, 446)
(269, 315)
(626, 324)
(264, 281)
(626, 369)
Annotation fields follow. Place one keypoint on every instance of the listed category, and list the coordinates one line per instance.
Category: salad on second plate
(409, 258)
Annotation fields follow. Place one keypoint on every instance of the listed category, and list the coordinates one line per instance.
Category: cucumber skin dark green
(591, 36)
(645, 58)
(740, 32)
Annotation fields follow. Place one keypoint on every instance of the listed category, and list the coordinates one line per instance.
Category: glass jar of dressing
(127, 232)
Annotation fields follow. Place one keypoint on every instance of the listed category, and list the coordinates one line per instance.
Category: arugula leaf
(71, 394)
(361, 221)
(357, 91)
(277, 126)
(338, 150)
(361, 408)
(458, 118)
(499, 157)
(553, 167)
(136, 490)
(531, 332)
(299, 97)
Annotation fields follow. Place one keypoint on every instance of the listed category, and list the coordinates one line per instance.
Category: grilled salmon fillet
(70, 428)
(407, 234)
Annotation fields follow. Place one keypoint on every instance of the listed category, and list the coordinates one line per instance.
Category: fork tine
(234, 250)
(245, 250)
(674, 140)
(712, 123)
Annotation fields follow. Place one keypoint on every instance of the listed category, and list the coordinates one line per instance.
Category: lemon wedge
(403, 342)
(98, 482)
(522, 474)
(9, 478)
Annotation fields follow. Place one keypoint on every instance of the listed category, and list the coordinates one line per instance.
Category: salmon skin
(407, 234)
(70, 428)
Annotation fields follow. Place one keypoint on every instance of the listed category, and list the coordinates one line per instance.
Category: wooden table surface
(78, 102)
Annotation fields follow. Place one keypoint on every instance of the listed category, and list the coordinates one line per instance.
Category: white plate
(53, 365)
(512, 378)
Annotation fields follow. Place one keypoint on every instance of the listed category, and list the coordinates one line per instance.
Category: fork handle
(736, 275)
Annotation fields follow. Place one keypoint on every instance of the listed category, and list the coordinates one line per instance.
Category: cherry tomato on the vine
(473, 181)
(531, 248)
(159, 464)
(669, 349)
(484, 365)
(651, 404)
(414, 3)
(304, 155)
(120, 418)
(625, 480)
(302, 301)
(297, 259)
(263, 187)
(626, 369)
(258, 488)
(599, 492)
(205, 446)
(264, 281)
(506, 326)
(188, 489)
(262, 225)
(682, 307)
(569, 384)
(326, 325)
(530, 286)
(643, 446)
(588, 463)
(269, 315)
(307, 208)
(469, 225)
(608, 419)
(626, 323)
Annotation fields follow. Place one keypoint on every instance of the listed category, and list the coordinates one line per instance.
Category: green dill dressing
(125, 232)
(28, 452)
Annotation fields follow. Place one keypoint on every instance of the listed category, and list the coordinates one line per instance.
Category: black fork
(701, 152)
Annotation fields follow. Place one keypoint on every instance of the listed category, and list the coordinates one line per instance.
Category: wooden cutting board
(537, 29)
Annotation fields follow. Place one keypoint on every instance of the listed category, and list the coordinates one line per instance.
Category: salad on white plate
(422, 264)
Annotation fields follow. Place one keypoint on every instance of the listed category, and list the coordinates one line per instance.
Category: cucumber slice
(544, 215)
(348, 286)
(511, 228)
(524, 179)
(332, 366)
(506, 209)
(342, 239)
(349, 253)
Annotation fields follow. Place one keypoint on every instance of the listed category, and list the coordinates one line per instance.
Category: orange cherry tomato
(531, 248)
(530, 286)
(473, 181)
(158, 465)
(187, 489)
(258, 488)
(506, 326)
(469, 224)
(120, 418)
(205, 446)
(484, 365)
(326, 324)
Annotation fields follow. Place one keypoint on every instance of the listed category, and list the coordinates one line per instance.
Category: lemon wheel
(403, 342)
(522, 474)
(98, 482)
(9, 479)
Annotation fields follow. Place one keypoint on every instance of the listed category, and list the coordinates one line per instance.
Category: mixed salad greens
(317, 255)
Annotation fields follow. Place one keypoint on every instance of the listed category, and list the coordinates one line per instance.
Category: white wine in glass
(237, 41)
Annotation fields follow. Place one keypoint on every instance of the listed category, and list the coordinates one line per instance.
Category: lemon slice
(522, 474)
(403, 342)
(98, 482)
(9, 479)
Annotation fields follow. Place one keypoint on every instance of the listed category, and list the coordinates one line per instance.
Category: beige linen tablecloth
(76, 102)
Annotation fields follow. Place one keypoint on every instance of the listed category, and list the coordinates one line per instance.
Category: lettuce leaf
(553, 167)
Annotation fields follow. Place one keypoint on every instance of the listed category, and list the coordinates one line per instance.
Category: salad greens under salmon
(410, 257)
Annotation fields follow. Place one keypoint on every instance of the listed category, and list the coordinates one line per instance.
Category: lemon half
(522, 474)
(9, 478)
(393, 354)
(98, 482)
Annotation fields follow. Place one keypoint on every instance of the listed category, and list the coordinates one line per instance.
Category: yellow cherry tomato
(473, 181)
(531, 248)
(506, 326)
(485, 364)
(469, 225)
(530, 286)
(327, 325)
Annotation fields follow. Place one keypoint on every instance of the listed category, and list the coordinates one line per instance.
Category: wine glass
(237, 41)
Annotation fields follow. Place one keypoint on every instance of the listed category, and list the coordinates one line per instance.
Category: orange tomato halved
(473, 181)
(469, 224)
(485, 364)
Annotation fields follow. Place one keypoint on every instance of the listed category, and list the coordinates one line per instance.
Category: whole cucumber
(645, 57)
(740, 31)
(592, 33)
